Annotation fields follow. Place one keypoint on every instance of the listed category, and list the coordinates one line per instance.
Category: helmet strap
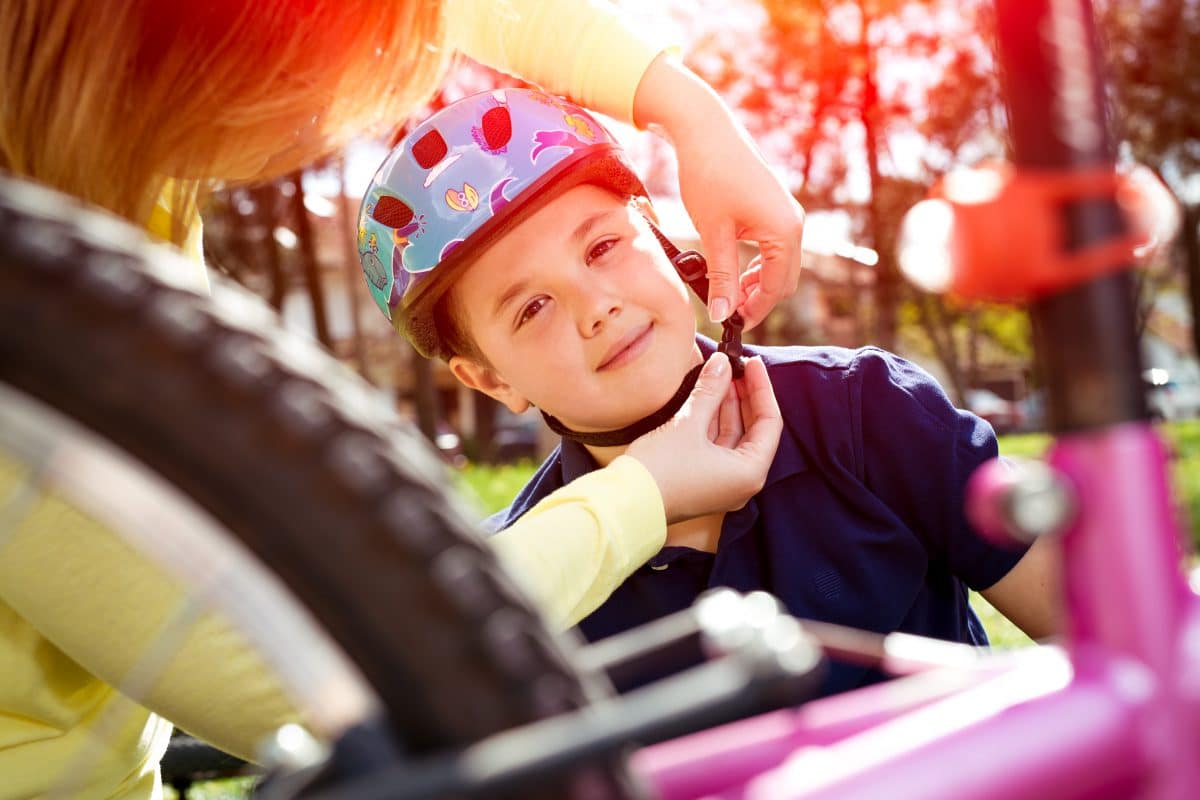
(693, 269)
(626, 435)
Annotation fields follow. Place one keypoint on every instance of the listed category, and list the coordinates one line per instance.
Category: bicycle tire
(296, 457)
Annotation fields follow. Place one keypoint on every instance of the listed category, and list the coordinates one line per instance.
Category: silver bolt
(1040, 502)
(291, 748)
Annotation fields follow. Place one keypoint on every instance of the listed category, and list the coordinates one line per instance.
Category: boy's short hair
(459, 181)
(453, 333)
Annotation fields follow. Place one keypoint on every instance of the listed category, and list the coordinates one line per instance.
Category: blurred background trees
(862, 105)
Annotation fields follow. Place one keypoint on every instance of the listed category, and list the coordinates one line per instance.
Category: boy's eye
(600, 248)
(531, 309)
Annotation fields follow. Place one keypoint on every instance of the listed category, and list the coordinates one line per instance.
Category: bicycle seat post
(1123, 587)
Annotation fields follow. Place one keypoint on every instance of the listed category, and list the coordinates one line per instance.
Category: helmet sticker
(544, 140)
(372, 267)
(580, 126)
(400, 276)
(496, 198)
(464, 199)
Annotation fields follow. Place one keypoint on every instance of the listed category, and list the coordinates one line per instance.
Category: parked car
(516, 436)
(1004, 415)
(449, 444)
(1169, 398)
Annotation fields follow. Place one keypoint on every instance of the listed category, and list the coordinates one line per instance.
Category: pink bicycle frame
(1112, 711)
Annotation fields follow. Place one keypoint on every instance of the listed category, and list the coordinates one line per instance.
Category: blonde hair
(109, 99)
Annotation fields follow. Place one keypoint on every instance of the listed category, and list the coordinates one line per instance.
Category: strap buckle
(690, 265)
(731, 343)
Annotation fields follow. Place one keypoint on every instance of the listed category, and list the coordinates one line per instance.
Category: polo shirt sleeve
(917, 453)
(578, 544)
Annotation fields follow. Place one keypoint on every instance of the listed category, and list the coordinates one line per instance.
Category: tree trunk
(424, 395)
(940, 331)
(306, 250)
(887, 272)
(972, 378)
(1190, 244)
(266, 198)
(483, 437)
(348, 224)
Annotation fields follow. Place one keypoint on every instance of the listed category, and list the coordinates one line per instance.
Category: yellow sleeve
(577, 545)
(583, 49)
(159, 227)
(101, 605)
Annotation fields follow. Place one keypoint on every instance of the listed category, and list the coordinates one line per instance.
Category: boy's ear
(481, 378)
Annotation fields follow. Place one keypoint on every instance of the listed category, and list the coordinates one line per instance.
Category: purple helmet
(462, 178)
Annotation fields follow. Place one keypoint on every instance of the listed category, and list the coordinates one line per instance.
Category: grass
(490, 489)
(224, 789)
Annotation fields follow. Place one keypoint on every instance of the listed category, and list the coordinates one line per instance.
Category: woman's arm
(587, 50)
(728, 189)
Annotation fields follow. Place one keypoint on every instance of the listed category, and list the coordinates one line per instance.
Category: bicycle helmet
(463, 177)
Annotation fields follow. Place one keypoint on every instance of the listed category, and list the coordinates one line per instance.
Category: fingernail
(718, 309)
(720, 364)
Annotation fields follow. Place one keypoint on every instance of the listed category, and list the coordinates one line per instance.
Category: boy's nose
(601, 308)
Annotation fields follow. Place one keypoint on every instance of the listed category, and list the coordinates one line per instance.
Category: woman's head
(108, 100)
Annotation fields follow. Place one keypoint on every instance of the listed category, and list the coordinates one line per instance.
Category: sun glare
(925, 239)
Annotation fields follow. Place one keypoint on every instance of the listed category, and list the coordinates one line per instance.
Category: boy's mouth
(627, 348)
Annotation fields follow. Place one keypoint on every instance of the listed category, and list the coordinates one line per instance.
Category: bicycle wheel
(291, 455)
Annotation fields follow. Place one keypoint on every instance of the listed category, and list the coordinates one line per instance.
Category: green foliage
(1153, 54)
(491, 488)
(1001, 633)
(1024, 445)
(1183, 439)
(225, 789)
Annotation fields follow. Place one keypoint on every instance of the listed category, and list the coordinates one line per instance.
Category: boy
(523, 253)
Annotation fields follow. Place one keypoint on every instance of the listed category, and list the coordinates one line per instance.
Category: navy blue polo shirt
(860, 521)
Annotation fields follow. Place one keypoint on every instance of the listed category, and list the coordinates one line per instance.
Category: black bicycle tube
(1088, 355)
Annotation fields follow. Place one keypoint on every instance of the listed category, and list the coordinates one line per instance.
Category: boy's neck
(606, 455)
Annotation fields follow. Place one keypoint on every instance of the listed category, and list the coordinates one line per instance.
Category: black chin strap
(692, 267)
(630, 432)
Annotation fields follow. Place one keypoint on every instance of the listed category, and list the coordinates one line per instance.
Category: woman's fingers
(697, 475)
(730, 428)
(760, 412)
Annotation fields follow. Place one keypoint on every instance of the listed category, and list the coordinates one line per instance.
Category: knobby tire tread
(294, 456)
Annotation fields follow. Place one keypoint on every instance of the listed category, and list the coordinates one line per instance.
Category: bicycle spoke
(19, 501)
(137, 683)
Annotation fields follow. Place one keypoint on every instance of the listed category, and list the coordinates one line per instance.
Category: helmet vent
(429, 149)
(392, 212)
(497, 127)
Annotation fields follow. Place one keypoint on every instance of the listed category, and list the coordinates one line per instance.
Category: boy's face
(578, 311)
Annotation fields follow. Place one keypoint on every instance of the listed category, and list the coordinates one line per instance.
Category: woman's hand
(714, 454)
(728, 190)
